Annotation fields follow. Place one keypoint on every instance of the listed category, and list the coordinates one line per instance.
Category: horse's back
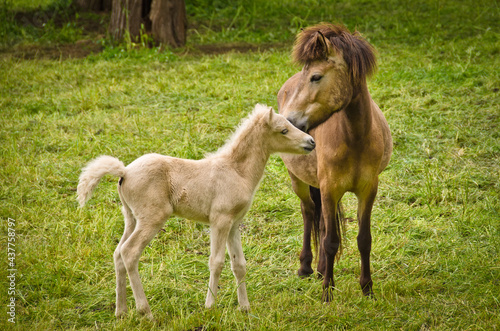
(284, 91)
(383, 126)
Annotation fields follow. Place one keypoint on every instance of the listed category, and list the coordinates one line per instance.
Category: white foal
(217, 190)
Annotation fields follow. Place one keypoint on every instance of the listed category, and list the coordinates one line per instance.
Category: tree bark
(165, 19)
(169, 22)
(126, 17)
(94, 5)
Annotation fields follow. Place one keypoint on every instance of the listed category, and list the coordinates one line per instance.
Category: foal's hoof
(148, 316)
(121, 315)
(244, 309)
(146, 313)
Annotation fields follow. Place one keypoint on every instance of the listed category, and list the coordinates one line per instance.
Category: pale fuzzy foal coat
(217, 190)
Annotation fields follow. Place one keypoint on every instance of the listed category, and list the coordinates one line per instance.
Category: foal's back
(191, 189)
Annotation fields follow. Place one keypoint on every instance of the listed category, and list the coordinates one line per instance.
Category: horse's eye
(285, 131)
(316, 78)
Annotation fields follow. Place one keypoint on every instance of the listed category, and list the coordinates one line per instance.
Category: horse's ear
(324, 44)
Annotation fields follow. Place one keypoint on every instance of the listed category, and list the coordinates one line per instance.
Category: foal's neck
(248, 154)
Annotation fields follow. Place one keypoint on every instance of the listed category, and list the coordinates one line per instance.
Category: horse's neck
(359, 112)
(248, 155)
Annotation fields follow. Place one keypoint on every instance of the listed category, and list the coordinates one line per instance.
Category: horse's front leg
(218, 238)
(306, 255)
(331, 238)
(365, 205)
(238, 265)
(301, 189)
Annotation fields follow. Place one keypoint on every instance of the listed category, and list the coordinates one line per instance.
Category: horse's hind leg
(365, 204)
(301, 189)
(238, 265)
(131, 250)
(121, 271)
(321, 254)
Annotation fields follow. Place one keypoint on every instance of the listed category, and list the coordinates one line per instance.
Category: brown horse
(329, 99)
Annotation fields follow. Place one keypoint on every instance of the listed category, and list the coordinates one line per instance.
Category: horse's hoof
(327, 294)
(305, 272)
(370, 295)
(368, 290)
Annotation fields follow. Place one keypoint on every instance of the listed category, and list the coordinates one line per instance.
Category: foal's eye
(316, 78)
(285, 131)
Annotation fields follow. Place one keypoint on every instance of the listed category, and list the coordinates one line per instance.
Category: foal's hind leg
(131, 250)
(238, 265)
(121, 271)
(365, 204)
(218, 238)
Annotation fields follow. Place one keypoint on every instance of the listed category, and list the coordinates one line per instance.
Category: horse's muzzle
(300, 123)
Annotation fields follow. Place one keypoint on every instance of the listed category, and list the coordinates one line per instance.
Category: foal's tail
(93, 172)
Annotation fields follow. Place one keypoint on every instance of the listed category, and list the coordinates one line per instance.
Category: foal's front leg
(218, 238)
(238, 265)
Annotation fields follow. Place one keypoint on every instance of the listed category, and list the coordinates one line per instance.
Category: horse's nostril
(300, 123)
(312, 142)
(300, 126)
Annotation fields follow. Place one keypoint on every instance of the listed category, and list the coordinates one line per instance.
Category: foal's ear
(271, 115)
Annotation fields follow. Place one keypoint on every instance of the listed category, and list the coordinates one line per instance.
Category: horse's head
(335, 64)
(283, 137)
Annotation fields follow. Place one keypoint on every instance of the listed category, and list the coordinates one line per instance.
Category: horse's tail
(316, 198)
(341, 220)
(316, 227)
(93, 172)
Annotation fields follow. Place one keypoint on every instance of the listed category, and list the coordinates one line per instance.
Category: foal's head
(335, 63)
(282, 137)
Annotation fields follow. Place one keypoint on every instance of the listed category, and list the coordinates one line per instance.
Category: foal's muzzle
(311, 144)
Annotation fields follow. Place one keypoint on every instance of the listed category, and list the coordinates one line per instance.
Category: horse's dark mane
(358, 54)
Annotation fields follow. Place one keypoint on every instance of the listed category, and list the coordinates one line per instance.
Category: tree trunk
(169, 22)
(93, 5)
(126, 18)
(165, 19)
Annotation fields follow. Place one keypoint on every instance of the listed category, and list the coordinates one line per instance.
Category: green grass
(436, 221)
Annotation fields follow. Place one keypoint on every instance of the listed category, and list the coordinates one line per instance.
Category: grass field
(436, 221)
